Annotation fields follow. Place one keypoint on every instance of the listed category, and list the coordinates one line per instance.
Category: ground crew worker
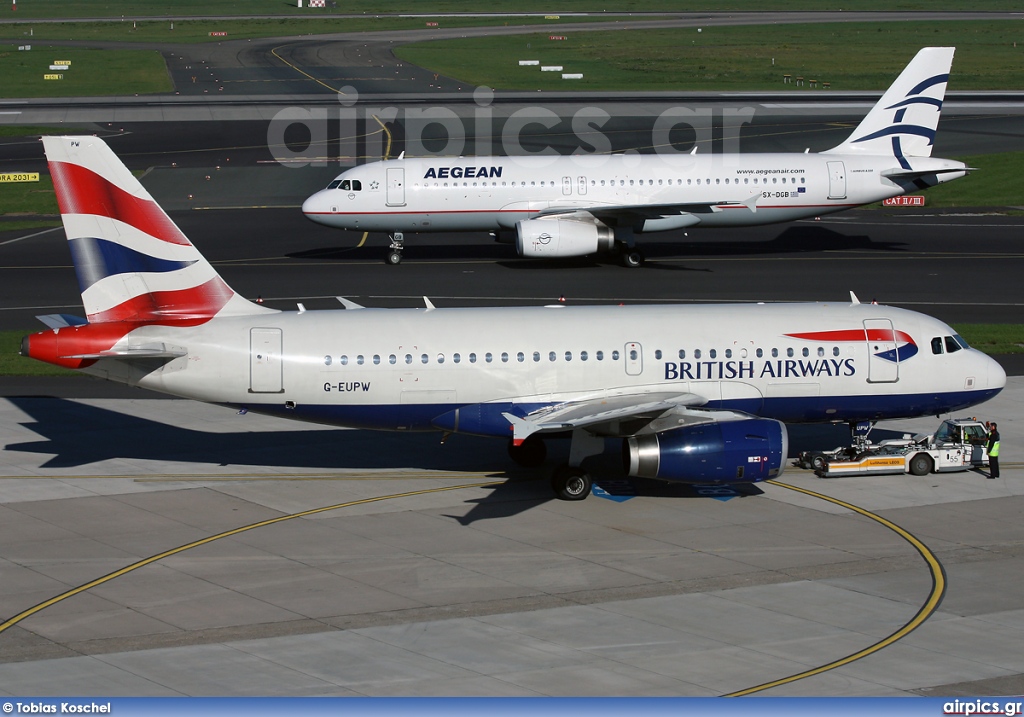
(993, 451)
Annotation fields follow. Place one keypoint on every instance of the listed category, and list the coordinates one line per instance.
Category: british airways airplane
(569, 206)
(692, 393)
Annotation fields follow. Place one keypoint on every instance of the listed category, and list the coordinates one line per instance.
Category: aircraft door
(883, 359)
(634, 359)
(567, 185)
(836, 180)
(265, 369)
(396, 186)
(582, 185)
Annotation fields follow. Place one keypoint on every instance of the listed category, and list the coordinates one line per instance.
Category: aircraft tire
(817, 461)
(530, 453)
(571, 483)
(393, 258)
(632, 258)
(921, 464)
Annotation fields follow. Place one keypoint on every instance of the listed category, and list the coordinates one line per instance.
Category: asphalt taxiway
(160, 547)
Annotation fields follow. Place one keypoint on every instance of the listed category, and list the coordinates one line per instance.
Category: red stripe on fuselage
(82, 191)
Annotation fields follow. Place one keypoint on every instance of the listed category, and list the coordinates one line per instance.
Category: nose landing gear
(394, 255)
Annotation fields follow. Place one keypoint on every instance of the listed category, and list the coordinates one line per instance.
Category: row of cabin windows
(951, 344)
(504, 357)
(552, 356)
(610, 182)
(354, 185)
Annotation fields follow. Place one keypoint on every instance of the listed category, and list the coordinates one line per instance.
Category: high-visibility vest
(994, 453)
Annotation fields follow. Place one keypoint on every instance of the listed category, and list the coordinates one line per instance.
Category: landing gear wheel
(570, 483)
(393, 257)
(817, 461)
(921, 464)
(530, 453)
(632, 258)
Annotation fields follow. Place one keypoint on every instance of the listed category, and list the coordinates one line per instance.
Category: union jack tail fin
(133, 263)
(903, 123)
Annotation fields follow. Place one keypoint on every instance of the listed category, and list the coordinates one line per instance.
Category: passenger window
(599, 355)
(456, 358)
(789, 352)
(520, 357)
(472, 358)
(568, 355)
(657, 354)
(682, 353)
(583, 355)
(728, 353)
(713, 353)
(759, 353)
(504, 357)
(937, 345)
(696, 353)
(440, 358)
(821, 350)
(806, 352)
(775, 353)
(424, 358)
(951, 345)
(536, 356)
(359, 359)
(551, 356)
(488, 357)
(392, 359)
(408, 358)
(615, 355)
(344, 360)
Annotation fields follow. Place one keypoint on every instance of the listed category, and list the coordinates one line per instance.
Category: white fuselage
(660, 192)
(407, 368)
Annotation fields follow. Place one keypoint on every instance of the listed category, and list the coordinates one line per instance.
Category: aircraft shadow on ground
(794, 239)
(76, 435)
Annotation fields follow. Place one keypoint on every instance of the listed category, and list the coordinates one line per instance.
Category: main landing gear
(394, 255)
(625, 241)
(569, 481)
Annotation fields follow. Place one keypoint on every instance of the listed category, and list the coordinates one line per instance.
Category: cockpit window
(357, 186)
(937, 345)
(952, 345)
(345, 184)
(334, 184)
(960, 340)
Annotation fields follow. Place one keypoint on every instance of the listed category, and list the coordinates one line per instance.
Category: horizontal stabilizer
(917, 173)
(157, 351)
(60, 321)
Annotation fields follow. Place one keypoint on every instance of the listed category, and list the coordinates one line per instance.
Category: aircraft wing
(620, 415)
(650, 211)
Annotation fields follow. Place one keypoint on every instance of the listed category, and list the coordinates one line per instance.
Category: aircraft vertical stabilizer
(133, 263)
(903, 123)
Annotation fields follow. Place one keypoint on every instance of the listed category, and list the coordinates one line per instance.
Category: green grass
(990, 338)
(14, 364)
(993, 338)
(850, 56)
(141, 8)
(92, 72)
(28, 198)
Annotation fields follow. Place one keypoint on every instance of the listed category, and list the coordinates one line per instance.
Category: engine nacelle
(744, 451)
(548, 238)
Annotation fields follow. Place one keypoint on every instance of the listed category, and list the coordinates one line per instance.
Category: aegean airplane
(691, 393)
(569, 206)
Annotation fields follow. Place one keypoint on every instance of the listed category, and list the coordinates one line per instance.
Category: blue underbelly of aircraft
(487, 420)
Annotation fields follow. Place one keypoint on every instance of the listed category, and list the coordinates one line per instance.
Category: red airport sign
(914, 200)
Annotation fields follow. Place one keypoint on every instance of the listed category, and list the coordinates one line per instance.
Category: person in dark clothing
(993, 451)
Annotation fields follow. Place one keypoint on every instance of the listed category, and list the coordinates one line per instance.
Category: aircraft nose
(315, 206)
